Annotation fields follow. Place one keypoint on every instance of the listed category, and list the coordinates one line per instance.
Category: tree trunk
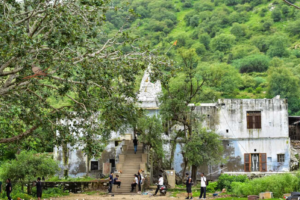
(173, 148)
(65, 160)
(183, 171)
(194, 173)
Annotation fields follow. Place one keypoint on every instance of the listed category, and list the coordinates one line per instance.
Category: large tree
(56, 62)
(182, 90)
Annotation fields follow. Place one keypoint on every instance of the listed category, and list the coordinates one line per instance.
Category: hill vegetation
(257, 38)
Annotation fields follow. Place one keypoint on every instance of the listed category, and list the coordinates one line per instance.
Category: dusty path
(116, 197)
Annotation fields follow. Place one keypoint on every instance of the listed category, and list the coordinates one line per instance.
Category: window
(280, 157)
(255, 162)
(94, 165)
(254, 120)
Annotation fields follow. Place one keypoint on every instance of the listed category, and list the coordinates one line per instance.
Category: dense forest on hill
(257, 41)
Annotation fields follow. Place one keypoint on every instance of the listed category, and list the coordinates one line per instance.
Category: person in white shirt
(160, 183)
(134, 183)
(203, 186)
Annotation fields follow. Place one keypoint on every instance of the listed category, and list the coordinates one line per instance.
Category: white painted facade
(228, 118)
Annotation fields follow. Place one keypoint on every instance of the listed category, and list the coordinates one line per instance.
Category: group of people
(189, 183)
(137, 181)
(38, 184)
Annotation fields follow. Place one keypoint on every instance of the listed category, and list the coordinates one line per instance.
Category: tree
(203, 147)
(183, 89)
(238, 30)
(151, 130)
(223, 42)
(282, 82)
(276, 15)
(252, 63)
(27, 166)
(78, 70)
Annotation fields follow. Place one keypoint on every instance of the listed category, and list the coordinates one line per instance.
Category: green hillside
(258, 38)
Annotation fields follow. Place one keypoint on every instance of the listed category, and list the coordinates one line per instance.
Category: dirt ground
(115, 197)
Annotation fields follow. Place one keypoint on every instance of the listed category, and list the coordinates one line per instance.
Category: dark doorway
(94, 165)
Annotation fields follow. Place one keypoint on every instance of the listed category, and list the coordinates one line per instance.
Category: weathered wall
(228, 119)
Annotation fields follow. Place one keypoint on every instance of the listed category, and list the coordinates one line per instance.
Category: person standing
(189, 186)
(135, 144)
(111, 181)
(8, 188)
(203, 186)
(39, 188)
(159, 184)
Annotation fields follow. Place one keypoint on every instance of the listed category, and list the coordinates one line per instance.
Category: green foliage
(206, 142)
(223, 42)
(253, 63)
(200, 49)
(225, 181)
(28, 166)
(276, 15)
(282, 82)
(238, 30)
(150, 129)
(205, 40)
(212, 187)
(278, 184)
(231, 2)
(294, 27)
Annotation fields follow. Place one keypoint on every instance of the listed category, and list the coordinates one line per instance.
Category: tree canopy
(56, 62)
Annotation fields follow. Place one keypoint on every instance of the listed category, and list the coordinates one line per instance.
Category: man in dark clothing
(189, 186)
(111, 181)
(39, 188)
(135, 143)
(8, 189)
(117, 181)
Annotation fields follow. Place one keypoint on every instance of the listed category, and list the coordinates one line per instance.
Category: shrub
(252, 63)
(249, 90)
(259, 80)
(187, 5)
(267, 24)
(294, 27)
(238, 30)
(200, 49)
(212, 187)
(296, 53)
(205, 40)
(225, 180)
(231, 2)
(278, 184)
(276, 15)
(261, 42)
(258, 90)
(223, 42)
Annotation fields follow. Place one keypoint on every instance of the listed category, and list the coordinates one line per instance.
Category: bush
(252, 63)
(259, 80)
(258, 90)
(294, 27)
(225, 180)
(276, 15)
(223, 42)
(278, 184)
(238, 30)
(187, 5)
(231, 2)
(249, 90)
(205, 40)
(200, 49)
(212, 187)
